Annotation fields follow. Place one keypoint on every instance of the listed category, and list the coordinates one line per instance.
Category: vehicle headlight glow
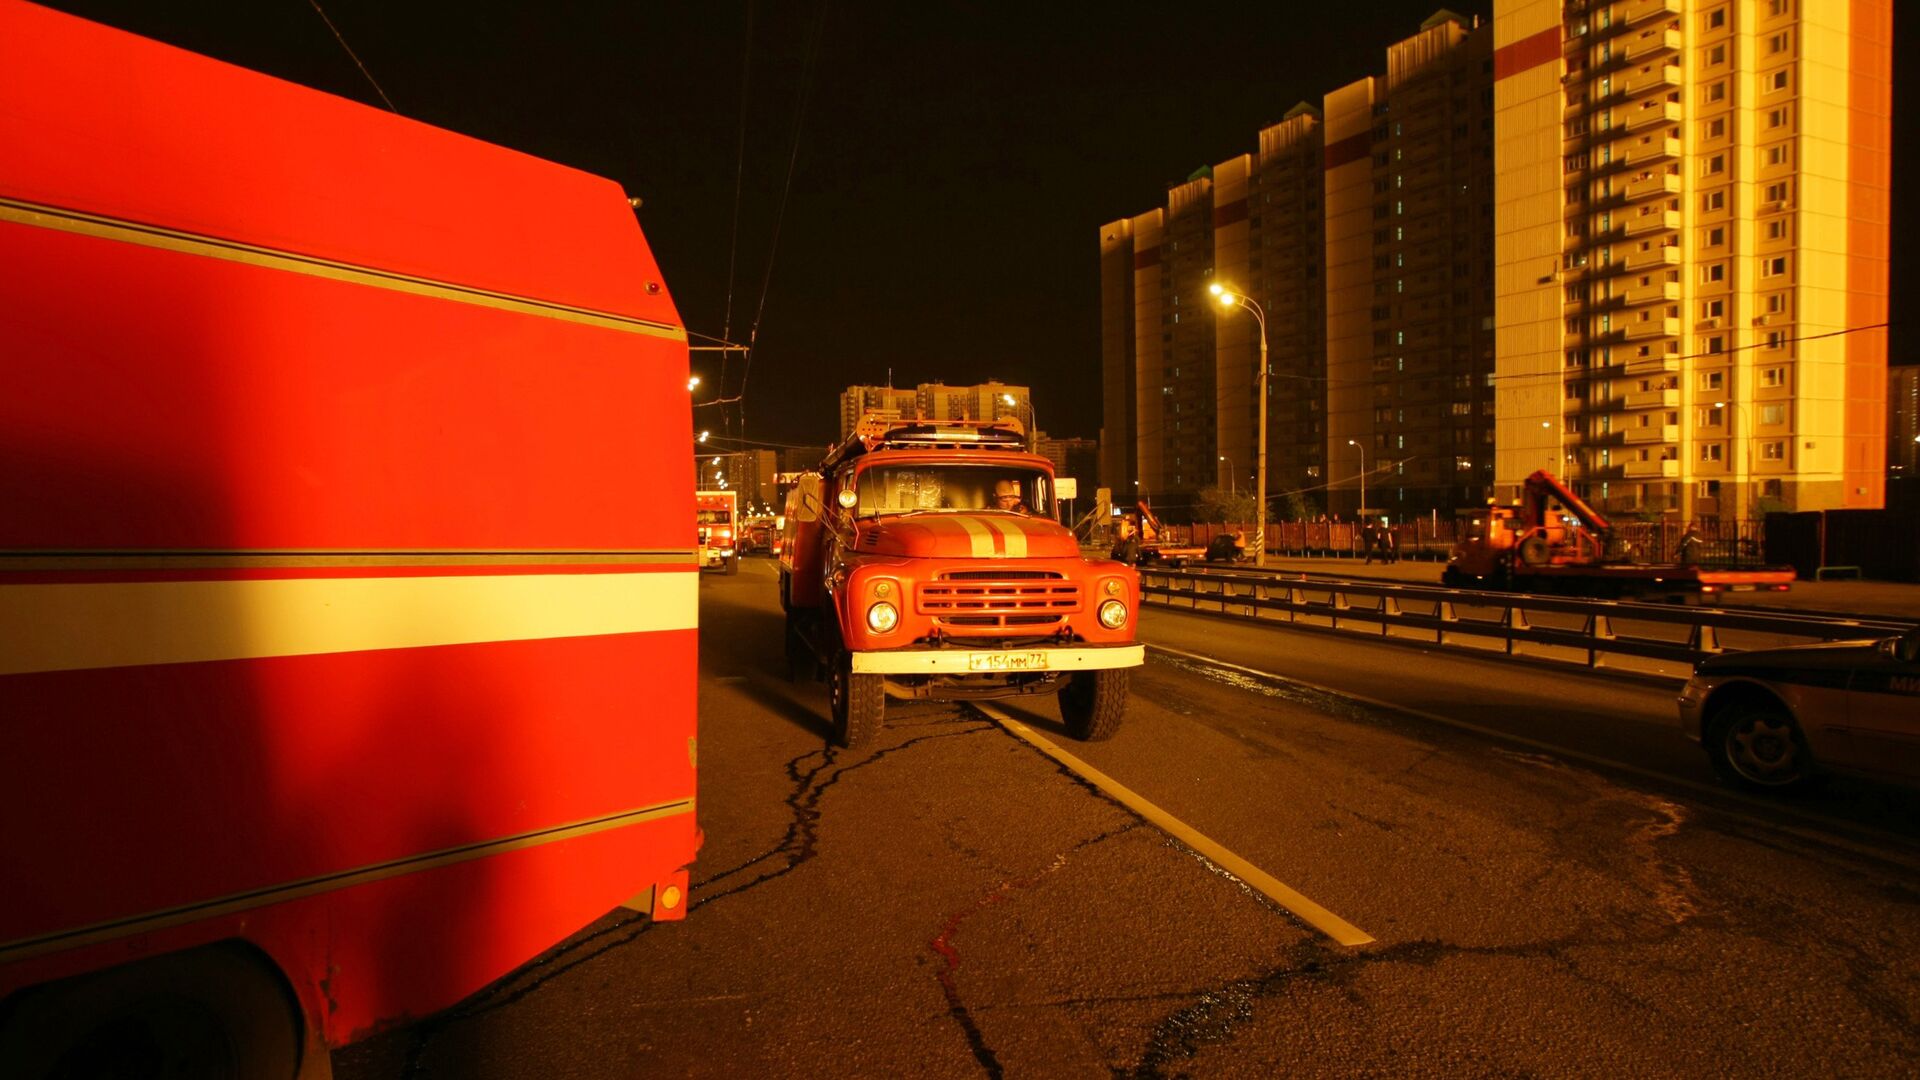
(882, 617)
(1113, 614)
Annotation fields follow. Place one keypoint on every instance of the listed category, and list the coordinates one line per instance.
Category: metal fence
(1714, 542)
(1647, 639)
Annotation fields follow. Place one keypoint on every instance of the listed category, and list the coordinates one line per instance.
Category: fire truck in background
(333, 686)
(1551, 541)
(718, 517)
(909, 571)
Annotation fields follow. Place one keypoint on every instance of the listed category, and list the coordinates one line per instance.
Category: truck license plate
(1008, 661)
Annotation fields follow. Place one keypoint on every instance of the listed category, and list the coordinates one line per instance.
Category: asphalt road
(1553, 883)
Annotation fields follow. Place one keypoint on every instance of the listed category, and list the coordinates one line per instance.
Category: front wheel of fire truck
(1093, 703)
(859, 703)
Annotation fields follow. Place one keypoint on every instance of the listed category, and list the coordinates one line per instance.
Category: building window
(1707, 489)
(1710, 380)
(1773, 450)
(1777, 229)
(1773, 376)
(1716, 344)
(1716, 18)
(1773, 414)
(1776, 193)
(1713, 309)
(1776, 339)
(1716, 127)
(1778, 80)
(1773, 267)
(1713, 200)
(1778, 43)
(1710, 417)
(1710, 452)
(1717, 91)
(1716, 236)
(1777, 117)
(1715, 165)
(1777, 154)
(1713, 272)
(1716, 55)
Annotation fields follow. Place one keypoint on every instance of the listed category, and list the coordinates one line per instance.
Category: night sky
(955, 160)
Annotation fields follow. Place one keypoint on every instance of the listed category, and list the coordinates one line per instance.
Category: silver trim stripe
(153, 236)
(151, 921)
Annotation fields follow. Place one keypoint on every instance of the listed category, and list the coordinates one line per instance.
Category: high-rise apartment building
(1119, 456)
(1362, 229)
(1409, 265)
(1691, 231)
(886, 401)
(1903, 423)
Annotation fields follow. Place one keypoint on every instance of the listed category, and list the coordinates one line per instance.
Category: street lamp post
(1228, 298)
(1363, 477)
(1233, 482)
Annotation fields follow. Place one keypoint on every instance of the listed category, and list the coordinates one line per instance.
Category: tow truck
(1158, 544)
(717, 514)
(918, 562)
(1551, 541)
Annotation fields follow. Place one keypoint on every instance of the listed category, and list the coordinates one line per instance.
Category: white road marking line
(1266, 884)
(1772, 807)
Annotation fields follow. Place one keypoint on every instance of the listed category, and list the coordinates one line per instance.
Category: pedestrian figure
(1370, 540)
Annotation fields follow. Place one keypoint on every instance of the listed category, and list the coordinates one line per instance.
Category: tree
(1297, 507)
(1221, 505)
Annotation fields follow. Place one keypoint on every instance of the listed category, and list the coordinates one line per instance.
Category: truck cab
(921, 562)
(717, 518)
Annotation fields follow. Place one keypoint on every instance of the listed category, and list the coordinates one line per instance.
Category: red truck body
(902, 578)
(328, 665)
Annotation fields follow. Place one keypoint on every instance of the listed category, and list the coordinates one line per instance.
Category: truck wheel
(1093, 703)
(859, 703)
(1534, 551)
(215, 1012)
(1758, 746)
(733, 563)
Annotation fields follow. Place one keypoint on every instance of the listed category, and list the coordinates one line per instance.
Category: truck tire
(733, 562)
(1534, 551)
(213, 1012)
(859, 703)
(1093, 703)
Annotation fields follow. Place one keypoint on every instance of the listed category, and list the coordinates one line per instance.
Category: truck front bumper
(960, 660)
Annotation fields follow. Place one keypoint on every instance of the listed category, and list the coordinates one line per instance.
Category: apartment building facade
(935, 401)
(1692, 204)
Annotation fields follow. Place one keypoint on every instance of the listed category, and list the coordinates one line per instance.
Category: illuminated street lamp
(1229, 298)
(1233, 482)
(1033, 422)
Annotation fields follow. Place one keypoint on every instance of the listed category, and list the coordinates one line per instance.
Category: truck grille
(978, 599)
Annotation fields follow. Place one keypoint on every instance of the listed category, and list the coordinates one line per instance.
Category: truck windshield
(714, 517)
(900, 489)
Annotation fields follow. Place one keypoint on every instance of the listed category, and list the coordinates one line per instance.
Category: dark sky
(955, 159)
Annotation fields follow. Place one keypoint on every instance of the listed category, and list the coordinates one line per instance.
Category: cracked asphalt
(954, 903)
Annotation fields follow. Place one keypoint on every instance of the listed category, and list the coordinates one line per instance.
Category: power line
(350, 55)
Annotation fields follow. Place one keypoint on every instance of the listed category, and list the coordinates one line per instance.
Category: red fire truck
(332, 684)
(920, 563)
(717, 514)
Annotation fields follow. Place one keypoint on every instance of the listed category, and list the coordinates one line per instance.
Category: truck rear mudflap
(953, 660)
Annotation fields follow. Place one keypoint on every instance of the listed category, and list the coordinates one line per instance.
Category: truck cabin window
(907, 489)
(714, 517)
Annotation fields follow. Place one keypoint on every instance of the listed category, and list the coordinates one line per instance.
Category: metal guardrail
(1597, 630)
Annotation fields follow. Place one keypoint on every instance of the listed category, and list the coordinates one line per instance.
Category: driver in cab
(1006, 496)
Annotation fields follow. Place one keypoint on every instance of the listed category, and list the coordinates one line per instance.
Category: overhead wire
(337, 36)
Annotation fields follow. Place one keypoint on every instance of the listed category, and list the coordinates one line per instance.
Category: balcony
(1658, 258)
(1666, 77)
(1659, 183)
(1644, 329)
(1653, 399)
(1650, 112)
(1654, 433)
(1653, 365)
(1645, 10)
(1651, 43)
(1658, 221)
(1652, 148)
(1657, 467)
(1660, 292)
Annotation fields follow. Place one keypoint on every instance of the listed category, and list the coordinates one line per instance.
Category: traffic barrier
(1589, 633)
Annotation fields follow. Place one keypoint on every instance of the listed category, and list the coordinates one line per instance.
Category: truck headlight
(1113, 614)
(882, 617)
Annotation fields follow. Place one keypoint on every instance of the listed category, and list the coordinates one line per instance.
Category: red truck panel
(109, 123)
